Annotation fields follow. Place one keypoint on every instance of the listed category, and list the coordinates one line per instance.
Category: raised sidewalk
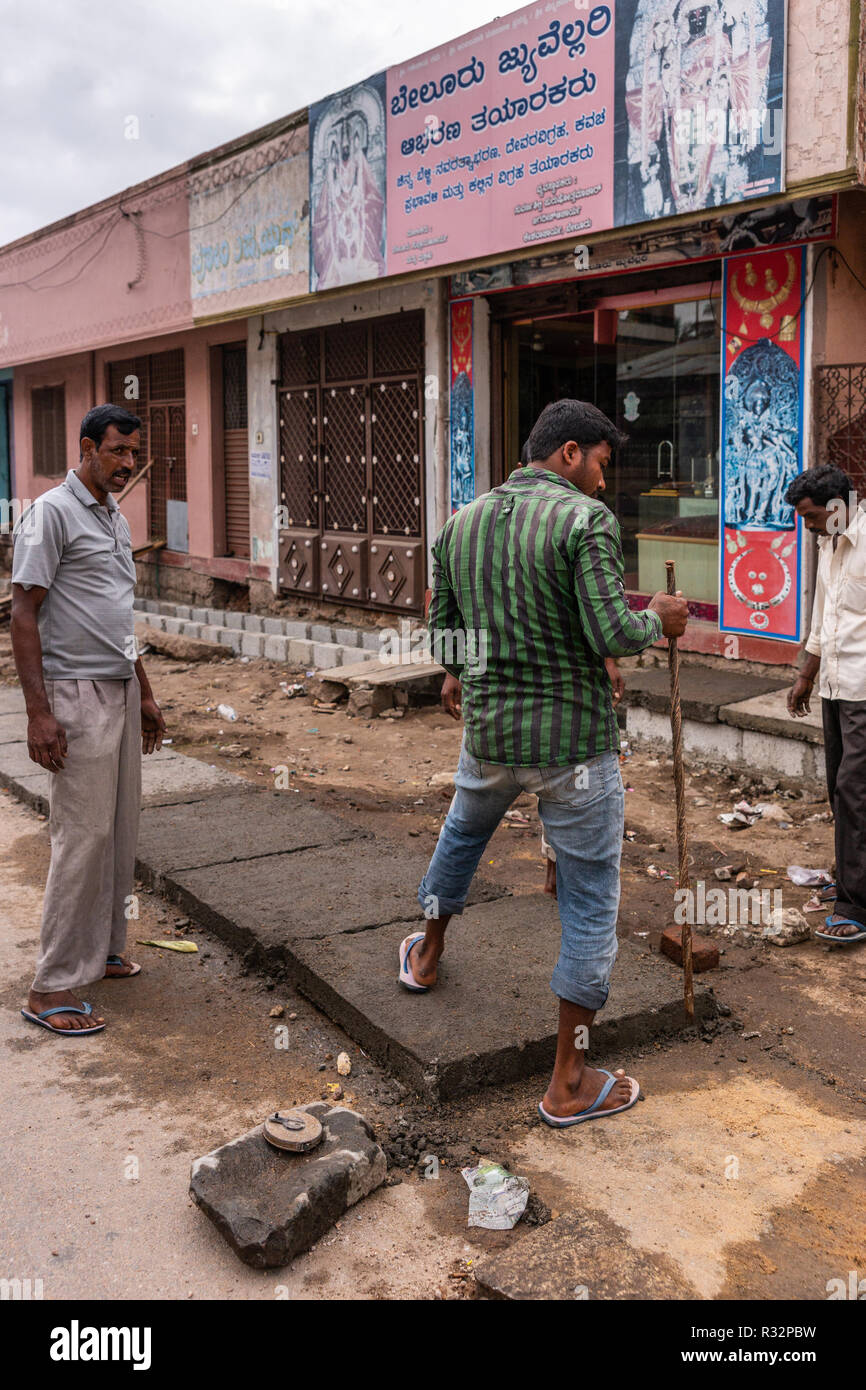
(301, 891)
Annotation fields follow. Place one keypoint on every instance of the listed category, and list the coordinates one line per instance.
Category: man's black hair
(525, 455)
(564, 420)
(820, 485)
(96, 422)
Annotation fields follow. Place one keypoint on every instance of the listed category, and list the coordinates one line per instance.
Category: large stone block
(300, 652)
(272, 1206)
(273, 627)
(294, 629)
(253, 644)
(277, 648)
(327, 655)
(252, 622)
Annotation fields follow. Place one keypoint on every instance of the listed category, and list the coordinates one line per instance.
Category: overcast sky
(194, 72)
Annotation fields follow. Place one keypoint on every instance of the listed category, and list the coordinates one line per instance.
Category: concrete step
(301, 890)
(728, 717)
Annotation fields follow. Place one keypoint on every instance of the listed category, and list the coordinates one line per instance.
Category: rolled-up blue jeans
(582, 808)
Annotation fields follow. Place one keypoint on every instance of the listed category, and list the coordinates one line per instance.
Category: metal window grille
(299, 359)
(235, 388)
(839, 415)
(346, 352)
(396, 436)
(299, 459)
(49, 429)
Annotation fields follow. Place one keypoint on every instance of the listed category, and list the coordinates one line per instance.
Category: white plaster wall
(817, 88)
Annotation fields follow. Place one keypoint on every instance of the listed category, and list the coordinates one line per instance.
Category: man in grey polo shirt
(90, 712)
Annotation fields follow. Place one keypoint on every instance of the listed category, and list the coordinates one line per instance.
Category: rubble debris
(344, 1064)
(497, 1198)
(787, 927)
(441, 779)
(183, 946)
(808, 878)
(366, 702)
(174, 644)
(292, 690)
(226, 712)
(654, 871)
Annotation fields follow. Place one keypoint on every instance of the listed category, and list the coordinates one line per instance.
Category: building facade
(340, 328)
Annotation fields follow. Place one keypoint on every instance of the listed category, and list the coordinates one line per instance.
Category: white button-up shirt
(838, 632)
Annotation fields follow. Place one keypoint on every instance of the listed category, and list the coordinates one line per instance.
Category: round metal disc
(294, 1130)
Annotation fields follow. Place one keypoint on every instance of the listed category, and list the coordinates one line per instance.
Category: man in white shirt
(836, 647)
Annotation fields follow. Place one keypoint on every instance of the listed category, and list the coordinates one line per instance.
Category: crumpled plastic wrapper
(497, 1199)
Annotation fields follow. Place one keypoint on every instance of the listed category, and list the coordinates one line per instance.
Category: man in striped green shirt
(528, 604)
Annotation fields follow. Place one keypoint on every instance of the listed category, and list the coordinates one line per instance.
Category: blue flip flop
(843, 940)
(118, 960)
(63, 1009)
(594, 1111)
(406, 977)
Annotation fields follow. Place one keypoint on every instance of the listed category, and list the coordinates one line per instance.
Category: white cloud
(195, 73)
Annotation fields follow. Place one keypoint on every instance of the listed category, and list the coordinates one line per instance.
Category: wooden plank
(381, 673)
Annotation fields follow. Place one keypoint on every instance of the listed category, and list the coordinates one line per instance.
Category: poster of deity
(462, 406)
(762, 443)
(699, 119)
(347, 186)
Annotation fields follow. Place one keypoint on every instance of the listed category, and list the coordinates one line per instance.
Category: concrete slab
(31, 789)
(703, 690)
(273, 902)
(15, 761)
(492, 1019)
(580, 1255)
(768, 714)
(11, 699)
(238, 825)
(168, 781)
(13, 727)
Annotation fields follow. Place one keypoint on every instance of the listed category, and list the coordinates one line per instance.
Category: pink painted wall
(93, 279)
(84, 377)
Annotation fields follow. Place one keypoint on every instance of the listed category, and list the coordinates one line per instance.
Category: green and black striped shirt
(528, 600)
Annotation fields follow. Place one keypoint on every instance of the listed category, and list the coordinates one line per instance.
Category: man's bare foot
(423, 960)
(837, 926)
(37, 1003)
(121, 971)
(565, 1100)
(550, 878)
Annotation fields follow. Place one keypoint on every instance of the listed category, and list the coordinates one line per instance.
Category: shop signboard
(563, 119)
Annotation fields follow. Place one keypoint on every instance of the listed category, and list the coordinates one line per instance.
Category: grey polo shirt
(81, 552)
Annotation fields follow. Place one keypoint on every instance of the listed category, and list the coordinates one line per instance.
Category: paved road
(99, 1132)
(742, 1175)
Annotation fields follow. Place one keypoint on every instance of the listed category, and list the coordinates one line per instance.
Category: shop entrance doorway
(654, 369)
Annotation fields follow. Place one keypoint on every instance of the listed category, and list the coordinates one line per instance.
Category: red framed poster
(762, 443)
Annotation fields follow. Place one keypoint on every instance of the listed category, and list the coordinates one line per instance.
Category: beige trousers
(95, 803)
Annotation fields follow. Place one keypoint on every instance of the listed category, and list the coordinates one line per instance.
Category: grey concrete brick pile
(314, 645)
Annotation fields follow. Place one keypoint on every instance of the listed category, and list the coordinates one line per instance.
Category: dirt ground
(743, 1171)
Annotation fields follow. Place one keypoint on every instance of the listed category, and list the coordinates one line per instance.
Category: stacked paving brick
(314, 645)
